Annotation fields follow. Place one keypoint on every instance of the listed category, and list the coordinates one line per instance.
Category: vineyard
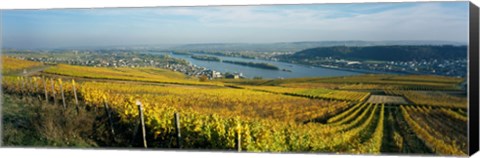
(259, 116)
(10, 64)
(320, 93)
(146, 74)
(222, 101)
(203, 124)
(432, 99)
(440, 131)
(367, 82)
(386, 99)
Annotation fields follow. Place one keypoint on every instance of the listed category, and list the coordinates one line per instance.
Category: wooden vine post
(142, 123)
(23, 87)
(23, 84)
(239, 138)
(31, 85)
(75, 95)
(107, 111)
(45, 89)
(17, 85)
(53, 92)
(36, 86)
(177, 129)
(27, 86)
(63, 93)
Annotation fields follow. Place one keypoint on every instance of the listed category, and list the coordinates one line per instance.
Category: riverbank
(253, 64)
(291, 70)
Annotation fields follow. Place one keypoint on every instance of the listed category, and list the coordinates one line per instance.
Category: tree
(203, 78)
(257, 78)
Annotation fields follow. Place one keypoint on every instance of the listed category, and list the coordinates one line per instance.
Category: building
(353, 62)
(232, 76)
(216, 74)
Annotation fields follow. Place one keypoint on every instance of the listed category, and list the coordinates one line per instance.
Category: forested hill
(383, 53)
(298, 46)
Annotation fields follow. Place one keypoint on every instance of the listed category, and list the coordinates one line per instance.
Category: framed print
(384, 78)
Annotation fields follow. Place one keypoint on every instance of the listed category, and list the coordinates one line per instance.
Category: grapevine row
(437, 145)
(345, 113)
(374, 143)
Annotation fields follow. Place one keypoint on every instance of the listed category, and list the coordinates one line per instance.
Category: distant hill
(383, 53)
(237, 47)
(298, 46)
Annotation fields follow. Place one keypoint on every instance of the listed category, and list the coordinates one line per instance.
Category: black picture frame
(473, 79)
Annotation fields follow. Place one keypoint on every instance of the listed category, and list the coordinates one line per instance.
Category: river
(297, 71)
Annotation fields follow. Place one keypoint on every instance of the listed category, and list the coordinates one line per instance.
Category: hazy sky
(446, 21)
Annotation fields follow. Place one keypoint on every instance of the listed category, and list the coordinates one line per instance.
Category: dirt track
(29, 72)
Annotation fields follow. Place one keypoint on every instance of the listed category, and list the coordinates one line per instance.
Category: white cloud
(421, 21)
(430, 15)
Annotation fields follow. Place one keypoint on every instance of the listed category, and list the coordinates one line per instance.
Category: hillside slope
(383, 53)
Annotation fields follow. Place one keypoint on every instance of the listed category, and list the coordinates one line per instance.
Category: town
(454, 68)
(128, 59)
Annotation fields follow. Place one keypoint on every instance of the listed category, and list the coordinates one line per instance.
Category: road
(31, 71)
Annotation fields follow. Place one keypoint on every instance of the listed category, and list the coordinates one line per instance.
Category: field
(387, 99)
(145, 74)
(366, 82)
(10, 64)
(364, 114)
(432, 98)
(319, 93)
